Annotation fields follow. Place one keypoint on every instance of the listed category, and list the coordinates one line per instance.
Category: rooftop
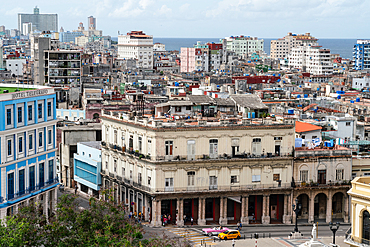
(92, 144)
(305, 127)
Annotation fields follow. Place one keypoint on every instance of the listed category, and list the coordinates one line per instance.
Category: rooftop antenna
(118, 32)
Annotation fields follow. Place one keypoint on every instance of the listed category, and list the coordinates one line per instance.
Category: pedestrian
(184, 218)
(169, 219)
(233, 244)
(75, 189)
(192, 221)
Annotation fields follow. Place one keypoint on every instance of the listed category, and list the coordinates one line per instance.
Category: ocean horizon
(343, 47)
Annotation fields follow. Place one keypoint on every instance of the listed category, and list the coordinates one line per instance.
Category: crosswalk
(193, 235)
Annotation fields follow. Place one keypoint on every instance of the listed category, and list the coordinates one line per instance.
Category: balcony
(355, 241)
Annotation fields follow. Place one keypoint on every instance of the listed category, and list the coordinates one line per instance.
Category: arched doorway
(338, 206)
(303, 199)
(365, 227)
(96, 116)
(320, 206)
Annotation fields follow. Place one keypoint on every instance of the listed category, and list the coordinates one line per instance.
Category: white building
(159, 47)
(281, 48)
(15, 66)
(313, 59)
(137, 45)
(27, 28)
(360, 83)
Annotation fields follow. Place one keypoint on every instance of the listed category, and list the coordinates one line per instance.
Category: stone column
(201, 212)
(46, 205)
(287, 218)
(346, 213)
(223, 212)
(311, 210)
(244, 216)
(266, 205)
(156, 217)
(180, 215)
(204, 211)
(329, 204)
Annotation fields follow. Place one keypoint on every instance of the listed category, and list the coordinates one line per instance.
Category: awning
(235, 199)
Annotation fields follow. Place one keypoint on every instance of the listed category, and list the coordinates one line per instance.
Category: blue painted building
(87, 167)
(27, 136)
(69, 36)
(361, 55)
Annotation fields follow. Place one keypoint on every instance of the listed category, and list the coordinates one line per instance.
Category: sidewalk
(278, 242)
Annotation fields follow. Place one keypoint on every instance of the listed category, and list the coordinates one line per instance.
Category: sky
(207, 18)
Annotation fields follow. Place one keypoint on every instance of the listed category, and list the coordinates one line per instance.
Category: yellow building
(359, 233)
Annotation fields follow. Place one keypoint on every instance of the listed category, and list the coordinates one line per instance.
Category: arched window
(96, 116)
(366, 227)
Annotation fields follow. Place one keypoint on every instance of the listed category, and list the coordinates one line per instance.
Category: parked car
(214, 231)
(230, 234)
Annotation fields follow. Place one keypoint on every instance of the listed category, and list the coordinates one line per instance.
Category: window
(139, 178)
(366, 227)
(51, 170)
(213, 148)
(191, 176)
(32, 178)
(40, 139)
(169, 148)
(304, 176)
(41, 175)
(339, 175)
(256, 178)
(149, 180)
(130, 174)
(123, 172)
(348, 123)
(20, 144)
(191, 149)
(115, 136)
(213, 183)
(140, 143)
(8, 116)
(106, 165)
(115, 165)
(276, 177)
(20, 119)
(40, 110)
(178, 108)
(149, 147)
(49, 109)
(353, 176)
(30, 116)
(256, 146)
(49, 137)
(10, 147)
(30, 142)
(21, 180)
(188, 108)
(234, 179)
(168, 184)
(278, 138)
(10, 186)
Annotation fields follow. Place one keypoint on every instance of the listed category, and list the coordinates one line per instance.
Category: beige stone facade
(359, 233)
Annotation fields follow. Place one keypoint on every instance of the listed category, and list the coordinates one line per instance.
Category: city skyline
(206, 19)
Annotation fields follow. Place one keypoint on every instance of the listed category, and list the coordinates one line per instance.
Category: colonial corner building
(27, 137)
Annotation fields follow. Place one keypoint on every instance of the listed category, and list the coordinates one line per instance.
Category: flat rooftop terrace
(14, 89)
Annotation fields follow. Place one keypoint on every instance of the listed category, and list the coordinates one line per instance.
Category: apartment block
(361, 55)
(62, 66)
(40, 22)
(27, 136)
(244, 45)
(136, 45)
(281, 48)
(187, 56)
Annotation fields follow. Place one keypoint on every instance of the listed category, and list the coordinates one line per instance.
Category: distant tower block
(92, 22)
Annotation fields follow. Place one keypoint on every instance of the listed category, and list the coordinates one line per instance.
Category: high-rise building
(38, 46)
(281, 48)
(2, 28)
(92, 22)
(28, 133)
(243, 45)
(40, 22)
(361, 52)
(312, 59)
(137, 45)
(27, 28)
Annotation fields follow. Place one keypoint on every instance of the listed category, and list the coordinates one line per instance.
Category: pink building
(187, 57)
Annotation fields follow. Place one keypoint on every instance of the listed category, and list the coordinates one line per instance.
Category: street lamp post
(296, 209)
(334, 229)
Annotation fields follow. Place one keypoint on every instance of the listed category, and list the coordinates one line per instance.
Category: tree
(104, 223)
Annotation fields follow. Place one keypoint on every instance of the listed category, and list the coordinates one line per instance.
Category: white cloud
(14, 11)
(184, 7)
(164, 11)
(145, 3)
(129, 8)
